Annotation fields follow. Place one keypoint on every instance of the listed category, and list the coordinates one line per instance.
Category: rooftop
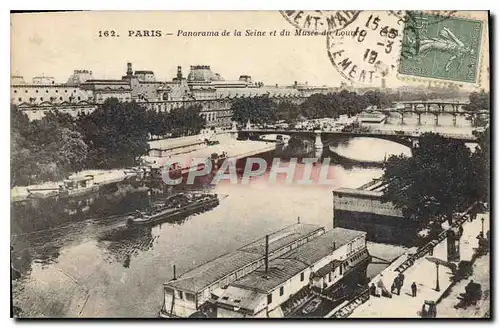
(280, 270)
(104, 81)
(243, 298)
(271, 91)
(144, 72)
(358, 192)
(210, 272)
(319, 247)
(327, 268)
(281, 238)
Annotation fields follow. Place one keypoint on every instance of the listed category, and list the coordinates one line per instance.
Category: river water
(96, 267)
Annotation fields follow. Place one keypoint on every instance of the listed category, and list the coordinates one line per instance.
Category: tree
(478, 101)
(73, 152)
(20, 168)
(437, 181)
(116, 133)
(157, 123)
(45, 149)
(185, 121)
(376, 98)
(287, 111)
(257, 110)
(334, 104)
(481, 160)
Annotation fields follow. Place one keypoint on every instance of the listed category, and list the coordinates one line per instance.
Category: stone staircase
(345, 311)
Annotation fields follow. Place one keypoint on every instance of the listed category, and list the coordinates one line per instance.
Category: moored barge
(273, 277)
(177, 205)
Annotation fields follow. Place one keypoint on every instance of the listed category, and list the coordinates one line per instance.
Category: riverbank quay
(227, 147)
(433, 281)
(53, 188)
(181, 150)
(174, 146)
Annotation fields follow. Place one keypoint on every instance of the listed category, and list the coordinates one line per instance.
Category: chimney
(298, 220)
(334, 246)
(175, 278)
(179, 73)
(129, 69)
(267, 253)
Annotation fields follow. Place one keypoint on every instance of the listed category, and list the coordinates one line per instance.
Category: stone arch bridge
(436, 107)
(405, 138)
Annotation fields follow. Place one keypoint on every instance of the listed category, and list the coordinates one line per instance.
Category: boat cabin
(78, 183)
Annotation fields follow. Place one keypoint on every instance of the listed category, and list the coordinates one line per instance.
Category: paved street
(423, 272)
(481, 275)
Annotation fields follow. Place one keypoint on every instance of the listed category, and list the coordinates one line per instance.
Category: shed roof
(319, 247)
(358, 192)
(243, 298)
(282, 237)
(212, 271)
(280, 270)
(330, 267)
(208, 273)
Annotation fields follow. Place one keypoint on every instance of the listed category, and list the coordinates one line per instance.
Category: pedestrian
(414, 289)
(373, 290)
(402, 279)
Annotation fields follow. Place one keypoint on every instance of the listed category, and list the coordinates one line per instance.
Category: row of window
(41, 99)
(358, 203)
(282, 290)
(180, 294)
(46, 91)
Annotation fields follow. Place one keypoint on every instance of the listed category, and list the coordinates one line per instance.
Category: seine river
(96, 267)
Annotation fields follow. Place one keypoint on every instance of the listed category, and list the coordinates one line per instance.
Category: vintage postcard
(250, 164)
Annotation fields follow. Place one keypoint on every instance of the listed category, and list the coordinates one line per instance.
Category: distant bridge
(436, 108)
(406, 138)
(434, 105)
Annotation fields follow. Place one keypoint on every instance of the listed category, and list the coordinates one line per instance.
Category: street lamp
(437, 277)
(437, 262)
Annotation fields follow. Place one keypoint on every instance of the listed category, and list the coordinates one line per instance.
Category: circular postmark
(320, 20)
(406, 15)
(368, 51)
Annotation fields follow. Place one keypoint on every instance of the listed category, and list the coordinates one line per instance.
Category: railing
(369, 184)
(430, 245)
(365, 295)
(346, 310)
(369, 132)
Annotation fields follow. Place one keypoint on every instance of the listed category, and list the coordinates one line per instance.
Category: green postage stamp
(440, 47)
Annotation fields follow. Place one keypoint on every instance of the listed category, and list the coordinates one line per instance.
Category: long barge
(273, 277)
(173, 208)
(190, 292)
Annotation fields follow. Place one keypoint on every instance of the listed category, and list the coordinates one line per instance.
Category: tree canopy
(257, 110)
(437, 181)
(478, 101)
(481, 159)
(184, 121)
(45, 149)
(115, 135)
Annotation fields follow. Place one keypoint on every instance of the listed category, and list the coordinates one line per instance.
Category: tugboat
(180, 204)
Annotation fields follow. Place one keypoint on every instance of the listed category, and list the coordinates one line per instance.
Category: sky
(55, 44)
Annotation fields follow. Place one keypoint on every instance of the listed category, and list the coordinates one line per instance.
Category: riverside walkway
(423, 273)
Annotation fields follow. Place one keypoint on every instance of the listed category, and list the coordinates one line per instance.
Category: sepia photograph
(293, 164)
